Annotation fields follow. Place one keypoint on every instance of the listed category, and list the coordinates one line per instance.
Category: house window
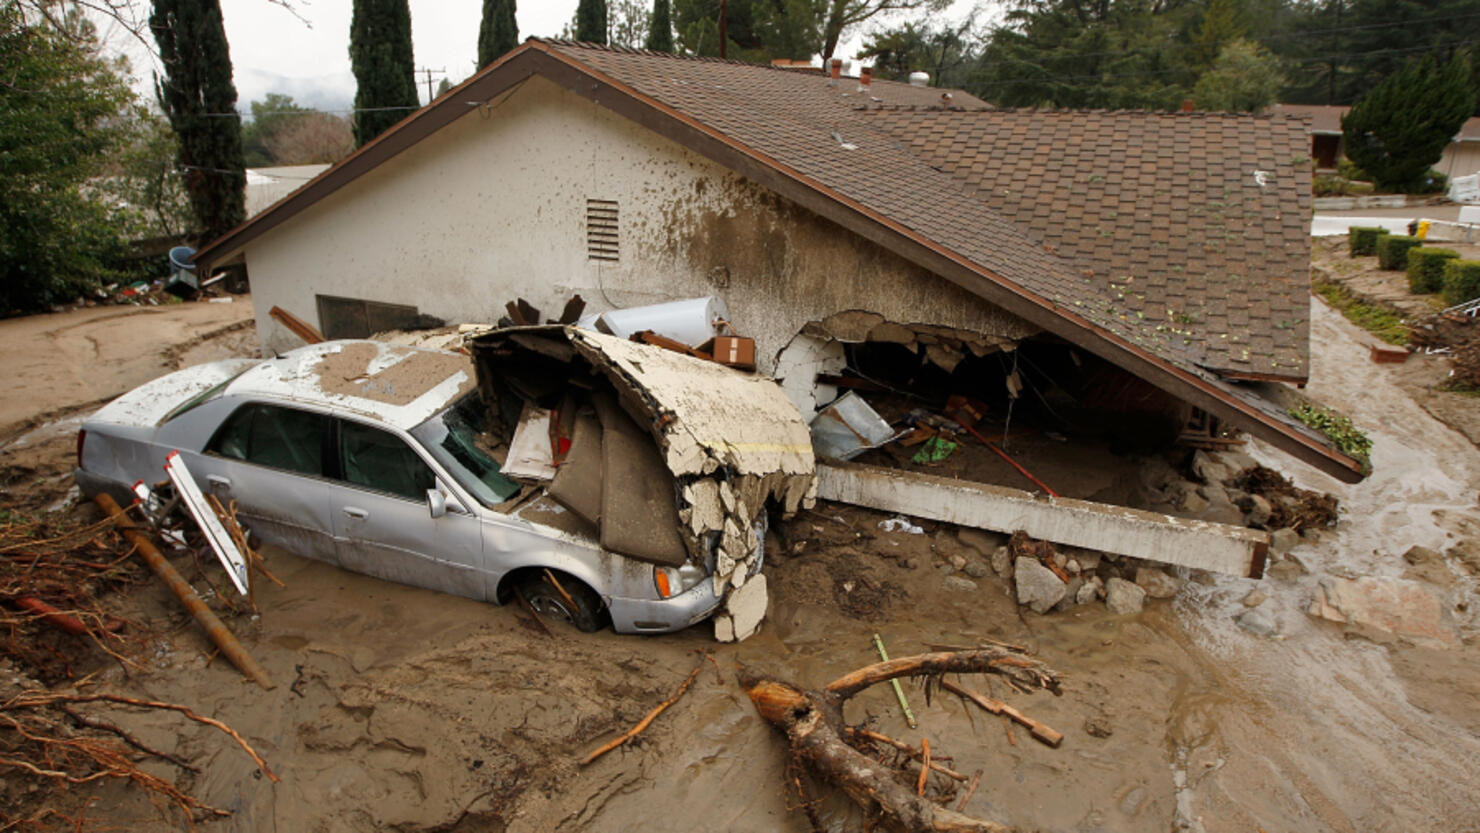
(601, 229)
(358, 318)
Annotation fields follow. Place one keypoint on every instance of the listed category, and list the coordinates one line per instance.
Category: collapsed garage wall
(495, 206)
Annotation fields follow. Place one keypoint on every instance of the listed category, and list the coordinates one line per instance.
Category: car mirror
(436, 502)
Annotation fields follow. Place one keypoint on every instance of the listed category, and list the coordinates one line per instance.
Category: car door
(270, 460)
(382, 524)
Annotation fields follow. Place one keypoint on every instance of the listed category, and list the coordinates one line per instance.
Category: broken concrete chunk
(742, 612)
(1283, 540)
(1122, 597)
(1209, 469)
(1379, 608)
(1092, 589)
(1157, 584)
(1002, 562)
(1037, 586)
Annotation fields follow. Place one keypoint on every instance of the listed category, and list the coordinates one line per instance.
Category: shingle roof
(1195, 223)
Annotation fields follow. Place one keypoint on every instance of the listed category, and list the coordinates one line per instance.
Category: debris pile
(1456, 335)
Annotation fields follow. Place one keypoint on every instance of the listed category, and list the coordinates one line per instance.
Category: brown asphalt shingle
(1150, 226)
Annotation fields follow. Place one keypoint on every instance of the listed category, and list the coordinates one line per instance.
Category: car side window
(283, 438)
(380, 460)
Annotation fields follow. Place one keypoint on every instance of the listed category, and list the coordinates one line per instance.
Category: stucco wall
(493, 207)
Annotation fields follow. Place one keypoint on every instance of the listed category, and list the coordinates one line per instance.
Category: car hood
(146, 406)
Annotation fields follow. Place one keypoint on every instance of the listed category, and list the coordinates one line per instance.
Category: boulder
(1283, 540)
(1123, 597)
(1037, 586)
(1380, 608)
(1157, 584)
(1002, 562)
(959, 584)
(1092, 589)
(1208, 468)
(1237, 461)
(1088, 560)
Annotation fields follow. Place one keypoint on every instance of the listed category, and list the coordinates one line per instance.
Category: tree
(61, 104)
(841, 15)
(945, 52)
(268, 116)
(756, 30)
(591, 21)
(199, 98)
(385, 70)
(660, 27)
(141, 181)
(627, 23)
(311, 139)
(499, 32)
(1244, 79)
(1400, 129)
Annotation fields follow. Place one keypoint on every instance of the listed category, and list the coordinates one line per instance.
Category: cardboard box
(735, 351)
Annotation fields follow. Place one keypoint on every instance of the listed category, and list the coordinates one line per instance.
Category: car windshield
(451, 437)
(204, 396)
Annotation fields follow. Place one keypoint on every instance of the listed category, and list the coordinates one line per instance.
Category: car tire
(578, 604)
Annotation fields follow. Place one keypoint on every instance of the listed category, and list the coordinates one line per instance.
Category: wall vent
(601, 230)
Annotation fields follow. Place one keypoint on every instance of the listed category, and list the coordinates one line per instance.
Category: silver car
(366, 455)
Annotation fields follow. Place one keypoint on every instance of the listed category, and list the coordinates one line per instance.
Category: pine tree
(660, 32)
(1402, 126)
(385, 71)
(499, 32)
(195, 90)
(591, 21)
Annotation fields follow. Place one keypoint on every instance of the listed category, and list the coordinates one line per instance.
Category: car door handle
(218, 482)
(356, 513)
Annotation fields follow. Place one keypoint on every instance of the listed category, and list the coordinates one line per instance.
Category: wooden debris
(812, 721)
(643, 724)
(297, 326)
(912, 752)
(1041, 731)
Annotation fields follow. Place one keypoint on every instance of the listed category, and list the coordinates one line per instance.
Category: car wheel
(569, 601)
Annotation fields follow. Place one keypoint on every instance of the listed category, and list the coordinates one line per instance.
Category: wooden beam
(1097, 526)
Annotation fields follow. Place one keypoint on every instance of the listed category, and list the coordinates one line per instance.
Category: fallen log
(812, 722)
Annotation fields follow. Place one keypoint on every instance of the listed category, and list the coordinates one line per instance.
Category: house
(828, 213)
(1461, 157)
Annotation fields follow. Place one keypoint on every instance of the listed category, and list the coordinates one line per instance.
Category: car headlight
(671, 581)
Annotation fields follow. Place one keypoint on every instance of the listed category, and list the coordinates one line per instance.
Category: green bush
(1432, 182)
(1461, 281)
(1392, 250)
(1426, 269)
(1347, 169)
(1362, 240)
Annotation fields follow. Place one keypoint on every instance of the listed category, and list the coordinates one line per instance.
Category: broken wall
(494, 206)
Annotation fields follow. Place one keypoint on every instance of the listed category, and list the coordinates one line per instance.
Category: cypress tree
(591, 21)
(1400, 128)
(499, 32)
(196, 84)
(385, 71)
(660, 29)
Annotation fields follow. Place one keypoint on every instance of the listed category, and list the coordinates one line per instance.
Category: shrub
(1426, 269)
(1347, 169)
(1461, 281)
(1362, 240)
(1432, 182)
(1392, 250)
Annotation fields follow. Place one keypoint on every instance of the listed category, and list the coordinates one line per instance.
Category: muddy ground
(401, 709)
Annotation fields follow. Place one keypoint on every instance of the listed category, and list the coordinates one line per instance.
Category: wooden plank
(1200, 545)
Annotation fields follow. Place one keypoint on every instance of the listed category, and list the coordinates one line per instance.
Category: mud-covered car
(374, 457)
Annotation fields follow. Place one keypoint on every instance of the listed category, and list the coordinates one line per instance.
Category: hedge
(1362, 240)
(1426, 269)
(1392, 250)
(1461, 281)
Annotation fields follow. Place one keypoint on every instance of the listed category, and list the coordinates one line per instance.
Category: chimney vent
(865, 75)
(919, 79)
(837, 68)
(1188, 105)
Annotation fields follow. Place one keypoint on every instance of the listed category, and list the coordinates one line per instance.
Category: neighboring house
(1461, 157)
(266, 186)
(1174, 246)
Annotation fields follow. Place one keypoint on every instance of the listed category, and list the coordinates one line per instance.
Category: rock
(1088, 560)
(1090, 590)
(1237, 461)
(1220, 509)
(959, 584)
(1259, 621)
(743, 611)
(1002, 562)
(1208, 468)
(957, 562)
(1283, 540)
(1284, 571)
(1256, 510)
(1214, 492)
(1123, 597)
(1157, 584)
(980, 540)
(1097, 726)
(977, 568)
(1071, 567)
(1192, 503)
(1428, 565)
(1037, 586)
(1255, 598)
(1377, 607)
(1071, 594)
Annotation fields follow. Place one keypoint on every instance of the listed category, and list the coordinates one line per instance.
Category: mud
(404, 709)
(393, 375)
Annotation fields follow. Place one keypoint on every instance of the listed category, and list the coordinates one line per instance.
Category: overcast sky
(307, 55)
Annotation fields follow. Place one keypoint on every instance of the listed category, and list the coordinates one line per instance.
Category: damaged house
(868, 235)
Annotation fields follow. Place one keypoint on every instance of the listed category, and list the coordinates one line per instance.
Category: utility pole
(428, 71)
(723, 8)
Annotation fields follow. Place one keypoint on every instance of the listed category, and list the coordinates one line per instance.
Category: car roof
(395, 384)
